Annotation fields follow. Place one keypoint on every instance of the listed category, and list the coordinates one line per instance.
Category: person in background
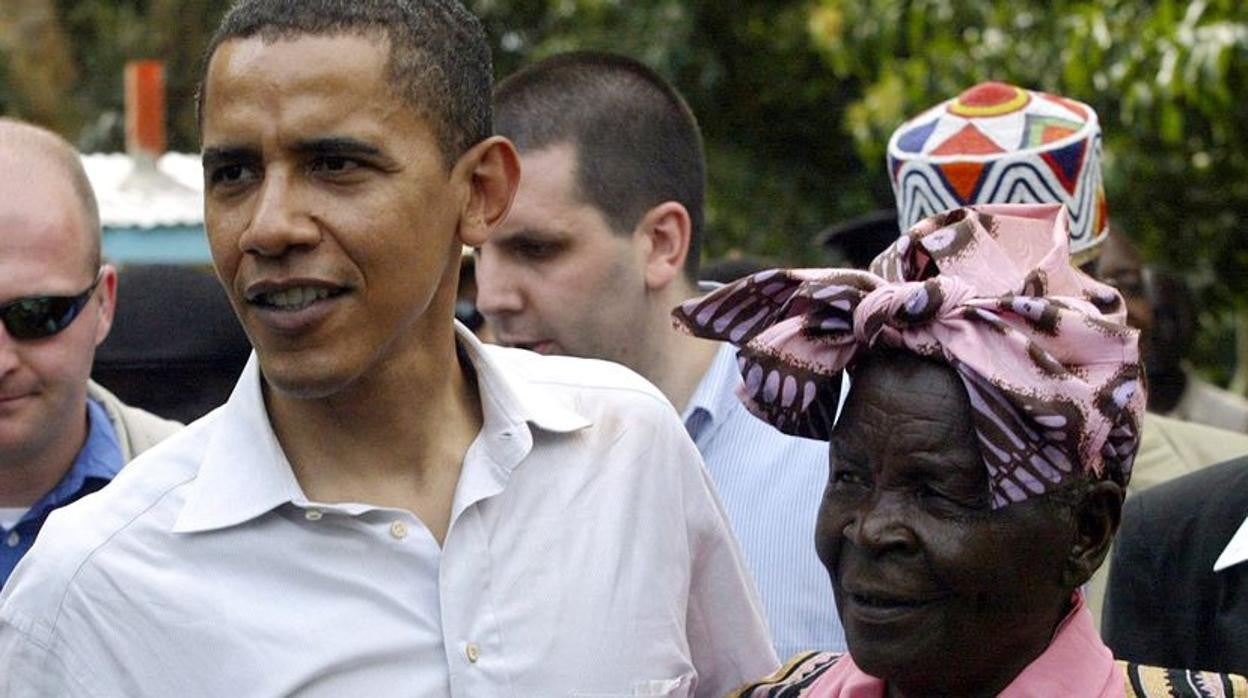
(1161, 307)
(603, 241)
(1178, 578)
(978, 465)
(62, 436)
(1001, 144)
(466, 312)
(384, 505)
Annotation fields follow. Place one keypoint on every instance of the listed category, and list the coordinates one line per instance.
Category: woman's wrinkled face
(934, 588)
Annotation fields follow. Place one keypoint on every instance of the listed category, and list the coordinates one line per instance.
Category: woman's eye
(848, 477)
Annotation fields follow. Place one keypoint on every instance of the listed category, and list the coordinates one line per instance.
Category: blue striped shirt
(771, 485)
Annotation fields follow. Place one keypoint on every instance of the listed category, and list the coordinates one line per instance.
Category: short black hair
(439, 64)
(637, 142)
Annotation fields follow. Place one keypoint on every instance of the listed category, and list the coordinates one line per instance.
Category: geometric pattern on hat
(1001, 144)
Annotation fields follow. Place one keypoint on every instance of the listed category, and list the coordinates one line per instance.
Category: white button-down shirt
(586, 556)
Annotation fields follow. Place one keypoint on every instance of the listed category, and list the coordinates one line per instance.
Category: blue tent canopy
(159, 245)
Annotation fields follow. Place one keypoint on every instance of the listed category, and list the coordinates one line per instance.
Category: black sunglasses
(36, 317)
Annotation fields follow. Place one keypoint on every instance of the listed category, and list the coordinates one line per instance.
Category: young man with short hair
(602, 242)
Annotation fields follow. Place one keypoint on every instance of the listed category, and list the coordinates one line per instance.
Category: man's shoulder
(572, 376)
(1180, 527)
(1207, 493)
(142, 499)
(137, 430)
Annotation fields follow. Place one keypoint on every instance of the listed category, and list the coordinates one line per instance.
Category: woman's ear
(1096, 519)
(491, 171)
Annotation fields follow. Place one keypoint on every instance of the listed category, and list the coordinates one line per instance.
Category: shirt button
(473, 652)
(13, 539)
(398, 529)
(313, 514)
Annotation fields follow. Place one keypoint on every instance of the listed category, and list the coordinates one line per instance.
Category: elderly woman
(977, 470)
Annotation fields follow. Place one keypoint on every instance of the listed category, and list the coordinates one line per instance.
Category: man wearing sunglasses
(61, 436)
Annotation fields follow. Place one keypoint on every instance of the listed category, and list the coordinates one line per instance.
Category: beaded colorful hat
(1000, 144)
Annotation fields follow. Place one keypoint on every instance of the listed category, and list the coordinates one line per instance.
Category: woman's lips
(883, 607)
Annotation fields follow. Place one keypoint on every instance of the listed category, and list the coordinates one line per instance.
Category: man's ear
(107, 293)
(491, 171)
(665, 231)
(1097, 518)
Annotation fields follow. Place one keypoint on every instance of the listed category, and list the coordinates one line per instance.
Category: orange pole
(145, 107)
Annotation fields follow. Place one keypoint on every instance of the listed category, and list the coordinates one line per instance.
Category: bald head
(28, 151)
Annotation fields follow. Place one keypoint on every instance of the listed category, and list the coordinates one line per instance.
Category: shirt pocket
(679, 687)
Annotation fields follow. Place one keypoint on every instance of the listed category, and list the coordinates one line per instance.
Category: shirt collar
(716, 394)
(100, 456)
(1076, 662)
(98, 461)
(511, 394)
(1236, 551)
(244, 473)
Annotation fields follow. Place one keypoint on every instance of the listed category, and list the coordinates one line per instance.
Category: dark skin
(1120, 266)
(939, 594)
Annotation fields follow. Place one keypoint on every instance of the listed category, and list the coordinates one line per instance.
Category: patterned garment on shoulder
(795, 679)
(1156, 682)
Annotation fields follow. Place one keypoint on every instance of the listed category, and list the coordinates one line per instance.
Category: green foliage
(1168, 78)
(105, 35)
(37, 65)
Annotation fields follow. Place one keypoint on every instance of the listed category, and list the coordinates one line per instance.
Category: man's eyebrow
(214, 156)
(336, 145)
(538, 234)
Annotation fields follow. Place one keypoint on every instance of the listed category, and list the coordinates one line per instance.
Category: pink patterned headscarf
(1051, 369)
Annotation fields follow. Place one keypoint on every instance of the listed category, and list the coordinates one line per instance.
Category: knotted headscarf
(1051, 369)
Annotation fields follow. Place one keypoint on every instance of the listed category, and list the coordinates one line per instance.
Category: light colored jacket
(1170, 448)
(136, 429)
(1206, 403)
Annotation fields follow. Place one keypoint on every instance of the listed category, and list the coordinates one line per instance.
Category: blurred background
(796, 99)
